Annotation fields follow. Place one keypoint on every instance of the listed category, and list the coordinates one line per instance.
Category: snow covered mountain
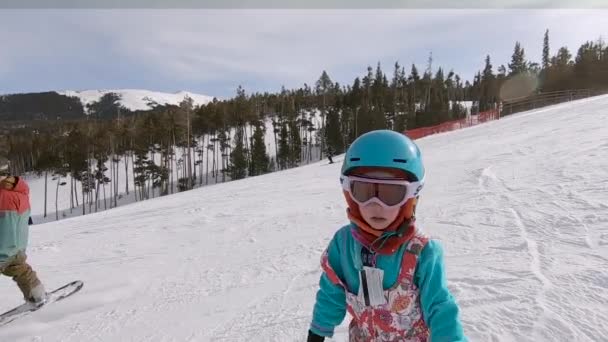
(519, 204)
(137, 99)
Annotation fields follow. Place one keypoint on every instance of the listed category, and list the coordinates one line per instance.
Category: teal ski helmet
(387, 149)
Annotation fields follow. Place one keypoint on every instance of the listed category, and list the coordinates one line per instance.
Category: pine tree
(260, 163)
(140, 175)
(365, 121)
(323, 88)
(414, 93)
(238, 159)
(546, 51)
(487, 95)
(295, 144)
(518, 61)
(283, 151)
(475, 93)
(439, 102)
(101, 178)
(563, 58)
(333, 133)
(187, 106)
(106, 107)
(502, 71)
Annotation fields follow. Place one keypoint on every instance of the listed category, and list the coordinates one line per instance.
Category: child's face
(377, 216)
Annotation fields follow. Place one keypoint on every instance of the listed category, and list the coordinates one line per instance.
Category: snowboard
(52, 297)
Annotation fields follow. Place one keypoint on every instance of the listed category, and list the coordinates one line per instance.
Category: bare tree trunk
(112, 180)
(97, 197)
(46, 181)
(248, 147)
(310, 144)
(148, 181)
(150, 187)
(169, 168)
(178, 170)
(135, 190)
(71, 193)
(134, 175)
(115, 161)
(105, 204)
(227, 153)
(188, 145)
(214, 167)
(57, 198)
(200, 165)
(303, 136)
(90, 190)
(276, 145)
(84, 203)
(76, 192)
(116, 181)
(174, 160)
(172, 170)
(127, 172)
(220, 163)
(223, 152)
(207, 171)
(163, 165)
(22, 164)
(185, 171)
(323, 114)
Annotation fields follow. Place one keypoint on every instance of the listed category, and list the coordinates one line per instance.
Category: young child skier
(14, 230)
(380, 267)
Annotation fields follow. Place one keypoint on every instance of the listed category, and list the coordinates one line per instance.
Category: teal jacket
(14, 217)
(440, 310)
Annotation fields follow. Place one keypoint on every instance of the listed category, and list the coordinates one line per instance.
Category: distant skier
(14, 230)
(330, 154)
(380, 267)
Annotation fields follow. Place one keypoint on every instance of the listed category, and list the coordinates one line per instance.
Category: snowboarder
(14, 230)
(381, 268)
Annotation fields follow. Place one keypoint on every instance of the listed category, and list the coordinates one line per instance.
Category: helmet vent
(354, 159)
(400, 160)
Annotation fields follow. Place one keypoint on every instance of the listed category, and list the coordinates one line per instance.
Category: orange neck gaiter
(378, 240)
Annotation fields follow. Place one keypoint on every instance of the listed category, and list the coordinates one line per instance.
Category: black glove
(312, 337)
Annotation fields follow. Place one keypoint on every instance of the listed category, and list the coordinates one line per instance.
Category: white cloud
(295, 44)
(277, 46)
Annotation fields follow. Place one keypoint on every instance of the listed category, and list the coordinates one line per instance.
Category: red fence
(507, 107)
(472, 120)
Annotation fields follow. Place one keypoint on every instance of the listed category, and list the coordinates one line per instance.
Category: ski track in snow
(519, 205)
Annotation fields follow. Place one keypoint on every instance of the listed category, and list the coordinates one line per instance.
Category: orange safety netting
(472, 120)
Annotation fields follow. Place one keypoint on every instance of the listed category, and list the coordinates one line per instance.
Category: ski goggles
(386, 192)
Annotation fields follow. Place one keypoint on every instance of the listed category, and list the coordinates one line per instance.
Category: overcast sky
(213, 51)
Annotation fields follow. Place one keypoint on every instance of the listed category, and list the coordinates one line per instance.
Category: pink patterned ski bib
(400, 319)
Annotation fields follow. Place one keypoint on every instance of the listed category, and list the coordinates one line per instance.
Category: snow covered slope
(520, 205)
(137, 99)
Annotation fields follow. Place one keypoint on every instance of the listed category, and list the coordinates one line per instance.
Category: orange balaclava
(388, 240)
